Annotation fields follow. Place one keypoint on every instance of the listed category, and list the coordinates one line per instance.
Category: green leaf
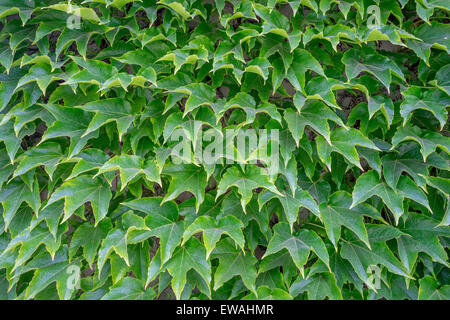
(431, 290)
(408, 161)
(362, 258)
(129, 289)
(199, 94)
(58, 272)
(186, 178)
(429, 36)
(245, 182)
(291, 204)
(428, 141)
(298, 245)
(357, 61)
(424, 234)
(344, 195)
(80, 190)
(233, 262)
(84, 13)
(46, 154)
(89, 237)
(432, 100)
(13, 195)
(319, 286)
(315, 115)
(369, 185)
(190, 256)
(344, 142)
(69, 122)
(11, 140)
(131, 167)
(248, 105)
(162, 219)
(337, 214)
(213, 230)
(115, 240)
(109, 110)
(24, 8)
(303, 61)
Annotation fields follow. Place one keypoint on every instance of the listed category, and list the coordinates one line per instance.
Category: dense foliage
(353, 93)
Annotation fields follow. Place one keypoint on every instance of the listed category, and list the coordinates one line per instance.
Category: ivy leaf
(430, 290)
(129, 289)
(80, 190)
(162, 219)
(8, 85)
(94, 71)
(109, 110)
(385, 105)
(442, 79)
(443, 185)
(319, 286)
(303, 61)
(186, 178)
(24, 114)
(357, 61)
(429, 36)
(52, 216)
(88, 160)
(369, 185)
(13, 195)
(85, 13)
(252, 178)
(56, 272)
(394, 165)
(213, 230)
(30, 240)
(199, 94)
(246, 102)
(298, 245)
(408, 189)
(115, 240)
(190, 256)
(344, 142)
(316, 115)
(181, 57)
(259, 66)
(343, 272)
(428, 141)
(42, 73)
(340, 96)
(24, 8)
(69, 122)
(361, 258)
(337, 214)
(291, 204)
(89, 237)
(424, 234)
(265, 293)
(46, 154)
(130, 168)
(233, 262)
(11, 140)
(274, 21)
(254, 214)
(432, 100)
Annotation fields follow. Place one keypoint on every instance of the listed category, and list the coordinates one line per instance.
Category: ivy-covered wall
(218, 149)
